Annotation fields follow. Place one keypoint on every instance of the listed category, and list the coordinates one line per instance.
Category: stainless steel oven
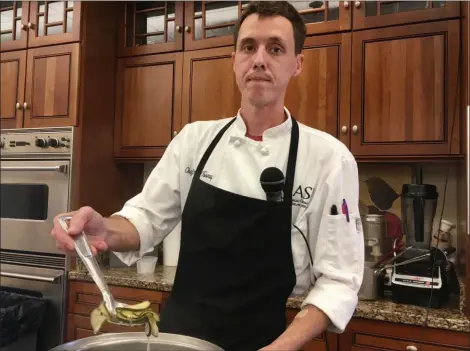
(35, 186)
(41, 277)
(36, 183)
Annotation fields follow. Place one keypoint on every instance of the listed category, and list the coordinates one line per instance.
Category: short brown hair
(276, 8)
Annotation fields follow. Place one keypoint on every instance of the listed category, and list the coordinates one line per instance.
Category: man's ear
(300, 65)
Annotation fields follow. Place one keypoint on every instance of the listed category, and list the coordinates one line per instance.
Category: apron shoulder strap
(211, 148)
(291, 162)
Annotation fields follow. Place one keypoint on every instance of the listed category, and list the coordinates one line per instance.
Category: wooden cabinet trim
(361, 21)
(450, 31)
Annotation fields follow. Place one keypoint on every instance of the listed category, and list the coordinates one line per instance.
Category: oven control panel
(36, 141)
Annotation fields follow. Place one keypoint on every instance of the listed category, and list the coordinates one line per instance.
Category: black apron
(235, 270)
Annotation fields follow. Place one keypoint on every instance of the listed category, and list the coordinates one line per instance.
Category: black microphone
(272, 182)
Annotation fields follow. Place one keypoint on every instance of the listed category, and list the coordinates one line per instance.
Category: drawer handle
(411, 348)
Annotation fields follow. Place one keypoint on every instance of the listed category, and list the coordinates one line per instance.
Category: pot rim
(110, 339)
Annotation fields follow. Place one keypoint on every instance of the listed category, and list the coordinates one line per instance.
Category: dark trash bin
(20, 318)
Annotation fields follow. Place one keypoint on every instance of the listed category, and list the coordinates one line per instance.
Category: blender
(418, 275)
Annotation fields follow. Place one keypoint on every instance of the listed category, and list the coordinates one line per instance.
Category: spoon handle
(84, 251)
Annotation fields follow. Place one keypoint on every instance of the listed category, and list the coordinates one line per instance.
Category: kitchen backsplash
(380, 187)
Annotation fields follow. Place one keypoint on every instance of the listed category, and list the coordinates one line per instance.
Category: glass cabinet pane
(149, 23)
(10, 20)
(54, 17)
(317, 11)
(379, 8)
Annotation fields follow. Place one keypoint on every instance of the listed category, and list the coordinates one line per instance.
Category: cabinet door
(374, 335)
(324, 16)
(319, 96)
(210, 24)
(51, 93)
(148, 27)
(12, 78)
(13, 31)
(54, 22)
(210, 90)
(373, 14)
(404, 90)
(148, 104)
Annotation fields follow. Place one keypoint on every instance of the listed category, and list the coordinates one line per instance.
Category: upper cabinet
(159, 26)
(372, 14)
(404, 90)
(150, 26)
(38, 23)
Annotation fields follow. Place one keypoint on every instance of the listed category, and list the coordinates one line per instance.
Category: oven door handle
(51, 279)
(60, 169)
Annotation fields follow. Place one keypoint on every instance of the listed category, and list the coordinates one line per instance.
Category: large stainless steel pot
(137, 342)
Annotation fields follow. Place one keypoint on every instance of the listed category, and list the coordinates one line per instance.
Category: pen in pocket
(334, 210)
(345, 209)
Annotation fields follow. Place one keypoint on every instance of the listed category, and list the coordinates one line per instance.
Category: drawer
(84, 297)
(372, 335)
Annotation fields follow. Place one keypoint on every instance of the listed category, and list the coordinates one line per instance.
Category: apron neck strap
(291, 162)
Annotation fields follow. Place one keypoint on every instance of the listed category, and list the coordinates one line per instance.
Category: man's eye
(276, 50)
(248, 48)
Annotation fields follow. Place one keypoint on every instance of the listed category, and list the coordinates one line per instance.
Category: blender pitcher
(419, 203)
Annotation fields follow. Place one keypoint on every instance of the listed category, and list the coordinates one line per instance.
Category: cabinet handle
(24, 26)
(357, 4)
(355, 129)
(344, 130)
(187, 29)
(18, 106)
(31, 25)
(175, 133)
(346, 4)
(178, 29)
(411, 348)
(25, 105)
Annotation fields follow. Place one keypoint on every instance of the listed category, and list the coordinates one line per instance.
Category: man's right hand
(85, 219)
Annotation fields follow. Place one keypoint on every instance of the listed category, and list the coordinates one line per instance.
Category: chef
(242, 256)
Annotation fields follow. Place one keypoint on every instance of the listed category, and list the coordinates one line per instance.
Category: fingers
(62, 237)
(80, 219)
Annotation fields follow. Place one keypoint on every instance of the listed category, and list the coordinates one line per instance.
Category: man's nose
(259, 59)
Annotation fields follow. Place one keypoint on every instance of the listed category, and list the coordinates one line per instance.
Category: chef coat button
(237, 143)
(264, 151)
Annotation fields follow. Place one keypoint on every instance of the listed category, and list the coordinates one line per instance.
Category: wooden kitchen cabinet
(404, 90)
(12, 81)
(319, 97)
(210, 90)
(373, 335)
(30, 24)
(148, 105)
(374, 14)
(39, 86)
(148, 27)
(51, 94)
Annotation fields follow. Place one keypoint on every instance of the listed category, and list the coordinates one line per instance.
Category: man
(242, 256)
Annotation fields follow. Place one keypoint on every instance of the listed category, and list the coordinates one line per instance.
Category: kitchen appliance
(36, 185)
(374, 228)
(419, 274)
(138, 342)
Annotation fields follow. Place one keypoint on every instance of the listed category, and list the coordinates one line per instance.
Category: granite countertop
(443, 318)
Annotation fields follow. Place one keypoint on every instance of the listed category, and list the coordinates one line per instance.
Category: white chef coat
(326, 173)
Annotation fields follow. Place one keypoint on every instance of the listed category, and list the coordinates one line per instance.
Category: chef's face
(264, 60)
